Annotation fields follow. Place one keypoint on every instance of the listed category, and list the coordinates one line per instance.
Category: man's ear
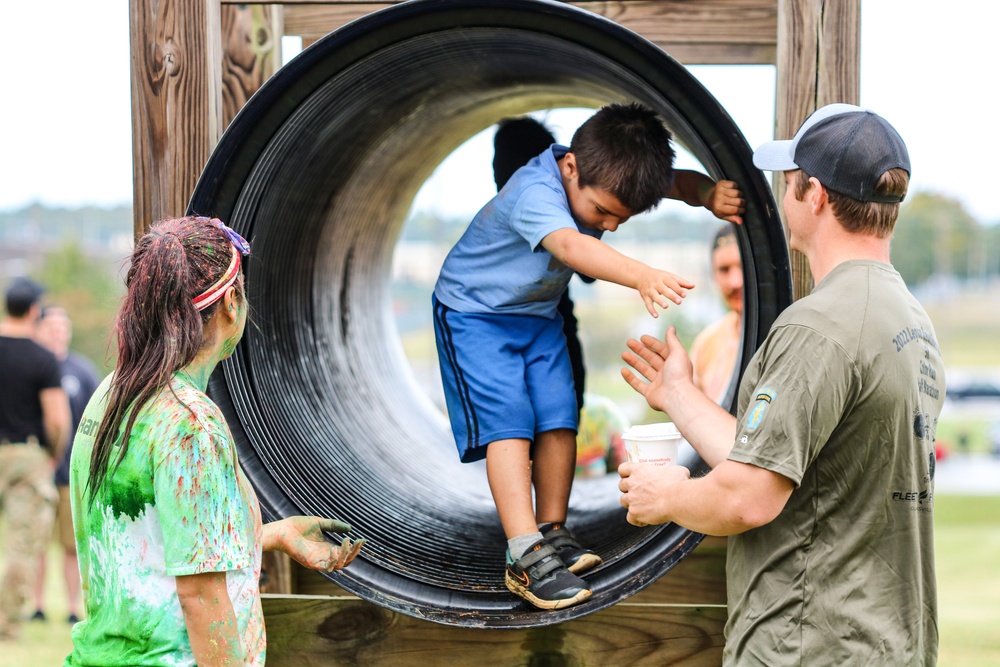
(818, 196)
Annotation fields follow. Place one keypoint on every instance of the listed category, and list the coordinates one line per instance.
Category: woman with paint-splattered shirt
(168, 528)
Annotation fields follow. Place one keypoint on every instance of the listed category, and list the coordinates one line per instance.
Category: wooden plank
(304, 631)
(251, 41)
(819, 57)
(704, 32)
(176, 102)
(700, 578)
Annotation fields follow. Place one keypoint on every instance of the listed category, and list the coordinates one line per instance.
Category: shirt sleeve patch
(763, 399)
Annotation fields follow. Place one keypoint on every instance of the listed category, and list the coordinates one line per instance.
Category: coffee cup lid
(659, 431)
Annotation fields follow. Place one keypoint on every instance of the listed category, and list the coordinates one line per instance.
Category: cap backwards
(21, 295)
(847, 148)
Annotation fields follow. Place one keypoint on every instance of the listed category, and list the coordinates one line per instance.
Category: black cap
(847, 148)
(22, 294)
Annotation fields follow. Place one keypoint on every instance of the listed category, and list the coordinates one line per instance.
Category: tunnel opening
(319, 170)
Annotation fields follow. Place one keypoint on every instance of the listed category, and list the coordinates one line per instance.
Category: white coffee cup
(652, 443)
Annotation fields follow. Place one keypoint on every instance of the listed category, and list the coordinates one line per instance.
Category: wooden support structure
(742, 32)
(818, 63)
(679, 619)
(196, 62)
(176, 102)
(335, 632)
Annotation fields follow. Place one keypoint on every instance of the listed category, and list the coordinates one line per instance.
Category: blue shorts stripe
(468, 409)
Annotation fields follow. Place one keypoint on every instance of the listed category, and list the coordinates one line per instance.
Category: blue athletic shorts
(504, 376)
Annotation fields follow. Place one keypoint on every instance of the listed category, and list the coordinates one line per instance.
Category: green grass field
(968, 567)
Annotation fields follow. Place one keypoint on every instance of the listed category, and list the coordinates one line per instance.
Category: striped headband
(239, 247)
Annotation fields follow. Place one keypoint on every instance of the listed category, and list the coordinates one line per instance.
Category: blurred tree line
(89, 293)
(936, 236)
(79, 256)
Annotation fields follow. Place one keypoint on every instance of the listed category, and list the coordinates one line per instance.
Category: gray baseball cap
(844, 146)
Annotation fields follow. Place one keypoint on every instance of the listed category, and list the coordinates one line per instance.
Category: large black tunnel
(319, 170)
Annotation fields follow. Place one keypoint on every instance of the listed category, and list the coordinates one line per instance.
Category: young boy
(504, 365)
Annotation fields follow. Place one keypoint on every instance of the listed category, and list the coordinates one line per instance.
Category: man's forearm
(731, 499)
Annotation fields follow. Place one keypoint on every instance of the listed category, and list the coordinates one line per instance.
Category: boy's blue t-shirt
(499, 264)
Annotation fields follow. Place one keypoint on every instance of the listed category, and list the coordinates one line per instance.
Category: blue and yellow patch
(763, 398)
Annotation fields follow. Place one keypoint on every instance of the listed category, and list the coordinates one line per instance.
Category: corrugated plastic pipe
(319, 169)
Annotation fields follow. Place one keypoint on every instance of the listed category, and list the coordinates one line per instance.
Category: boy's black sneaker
(576, 558)
(543, 580)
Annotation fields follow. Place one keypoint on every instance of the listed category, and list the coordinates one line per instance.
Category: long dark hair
(158, 328)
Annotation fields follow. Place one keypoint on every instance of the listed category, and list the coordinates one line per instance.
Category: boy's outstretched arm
(587, 255)
(723, 199)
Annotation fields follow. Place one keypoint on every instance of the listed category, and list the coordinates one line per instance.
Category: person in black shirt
(34, 430)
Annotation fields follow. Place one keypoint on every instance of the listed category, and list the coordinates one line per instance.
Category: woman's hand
(301, 537)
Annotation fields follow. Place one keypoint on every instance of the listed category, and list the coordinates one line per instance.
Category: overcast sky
(930, 67)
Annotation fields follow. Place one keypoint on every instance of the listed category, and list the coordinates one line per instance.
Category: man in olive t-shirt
(825, 479)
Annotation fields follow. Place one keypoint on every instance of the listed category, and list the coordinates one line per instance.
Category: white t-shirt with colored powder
(178, 504)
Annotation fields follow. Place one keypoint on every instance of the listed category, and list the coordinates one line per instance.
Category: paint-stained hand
(301, 537)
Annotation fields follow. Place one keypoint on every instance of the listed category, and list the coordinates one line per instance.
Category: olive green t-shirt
(842, 398)
(178, 504)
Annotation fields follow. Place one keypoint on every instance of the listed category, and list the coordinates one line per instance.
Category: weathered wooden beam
(251, 41)
(317, 631)
(819, 55)
(704, 32)
(176, 103)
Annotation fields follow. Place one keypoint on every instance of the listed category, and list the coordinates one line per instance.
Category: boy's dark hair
(516, 141)
(625, 149)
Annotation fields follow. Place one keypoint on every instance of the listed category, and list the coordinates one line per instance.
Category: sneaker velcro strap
(541, 561)
(561, 537)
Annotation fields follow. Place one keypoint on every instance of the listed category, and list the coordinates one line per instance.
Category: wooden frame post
(176, 102)
(819, 51)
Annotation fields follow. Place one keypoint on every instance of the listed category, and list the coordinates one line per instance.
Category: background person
(825, 480)
(79, 381)
(504, 366)
(717, 347)
(168, 528)
(34, 428)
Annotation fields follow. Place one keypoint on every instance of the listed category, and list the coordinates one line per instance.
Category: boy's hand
(659, 288)
(725, 201)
